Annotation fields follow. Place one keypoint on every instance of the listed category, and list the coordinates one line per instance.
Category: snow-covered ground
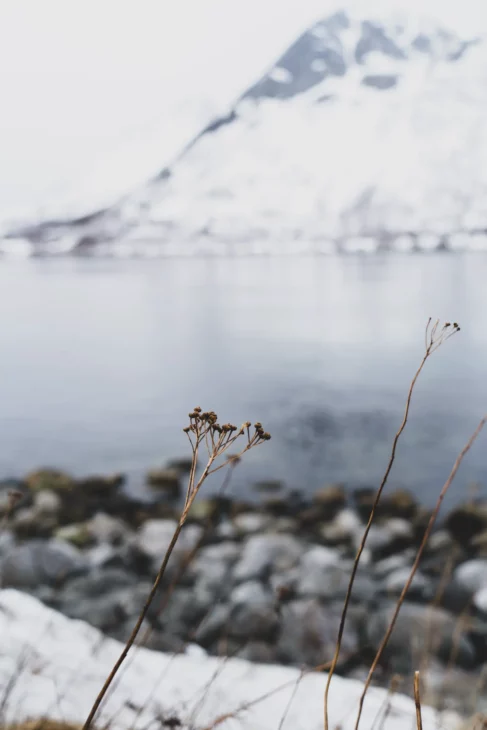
(58, 666)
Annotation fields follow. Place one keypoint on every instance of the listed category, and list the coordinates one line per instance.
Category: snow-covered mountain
(367, 132)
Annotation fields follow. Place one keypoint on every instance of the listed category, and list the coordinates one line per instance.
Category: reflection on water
(101, 361)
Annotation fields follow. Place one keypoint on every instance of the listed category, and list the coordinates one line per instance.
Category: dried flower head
(435, 337)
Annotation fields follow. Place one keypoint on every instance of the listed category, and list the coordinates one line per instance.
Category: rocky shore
(264, 581)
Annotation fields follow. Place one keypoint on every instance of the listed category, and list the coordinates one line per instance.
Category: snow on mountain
(367, 132)
(360, 129)
(53, 667)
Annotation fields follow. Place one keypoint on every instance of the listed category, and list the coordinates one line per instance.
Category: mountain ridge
(340, 139)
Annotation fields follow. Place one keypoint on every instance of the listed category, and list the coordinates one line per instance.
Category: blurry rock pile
(263, 581)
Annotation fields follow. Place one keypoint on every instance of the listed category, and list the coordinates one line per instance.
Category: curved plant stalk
(419, 554)
(434, 338)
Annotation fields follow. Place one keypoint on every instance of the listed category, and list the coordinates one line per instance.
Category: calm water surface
(101, 361)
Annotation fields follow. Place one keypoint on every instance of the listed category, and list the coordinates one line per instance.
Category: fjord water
(101, 360)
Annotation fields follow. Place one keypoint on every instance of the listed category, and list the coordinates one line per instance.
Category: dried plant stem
(433, 340)
(419, 554)
(190, 556)
(479, 686)
(417, 702)
(136, 629)
(385, 710)
(290, 701)
(428, 634)
(203, 429)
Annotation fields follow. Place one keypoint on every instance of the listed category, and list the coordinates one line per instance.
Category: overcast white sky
(89, 87)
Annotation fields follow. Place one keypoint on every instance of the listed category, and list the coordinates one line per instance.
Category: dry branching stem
(434, 338)
(203, 431)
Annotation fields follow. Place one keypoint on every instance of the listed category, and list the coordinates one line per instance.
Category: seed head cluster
(204, 424)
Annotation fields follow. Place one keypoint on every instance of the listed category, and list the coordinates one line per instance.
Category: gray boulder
(105, 613)
(309, 632)
(344, 528)
(472, 574)
(210, 571)
(7, 542)
(420, 631)
(28, 523)
(395, 582)
(253, 612)
(227, 552)
(47, 503)
(324, 574)
(251, 592)
(114, 604)
(184, 612)
(258, 652)
(154, 537)
(213, 626)
(263, 554)
(320, 573)
(249, 523)
(386, 566)
(41, 561)
(98, 583)
(253, 621)
(107, 529)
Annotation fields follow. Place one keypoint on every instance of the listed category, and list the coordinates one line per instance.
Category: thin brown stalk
(190, 555)
(290, 701)
(417, 560)
(385, 709)
(433, 340)
(446, 574)
(201, 424)
(478, 688)
(458, 629)
(203, 692)
(136, 629)
(417, 702)
(170, 590)
(460, 624)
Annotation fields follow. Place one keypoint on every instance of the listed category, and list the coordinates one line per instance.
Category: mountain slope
(366, 131)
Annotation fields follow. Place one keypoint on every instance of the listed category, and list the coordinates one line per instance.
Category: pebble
(251, 592)
(47, 502)
(251, 523)
(345, 526)
(480, 600)
(472, 574)
(41, 562)
(267, 552)
(395, 582)
(154, 538)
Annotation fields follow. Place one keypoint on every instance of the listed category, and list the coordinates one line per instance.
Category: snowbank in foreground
(60, 664)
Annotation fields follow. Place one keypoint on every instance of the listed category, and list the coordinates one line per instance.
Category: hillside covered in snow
(368, 132)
